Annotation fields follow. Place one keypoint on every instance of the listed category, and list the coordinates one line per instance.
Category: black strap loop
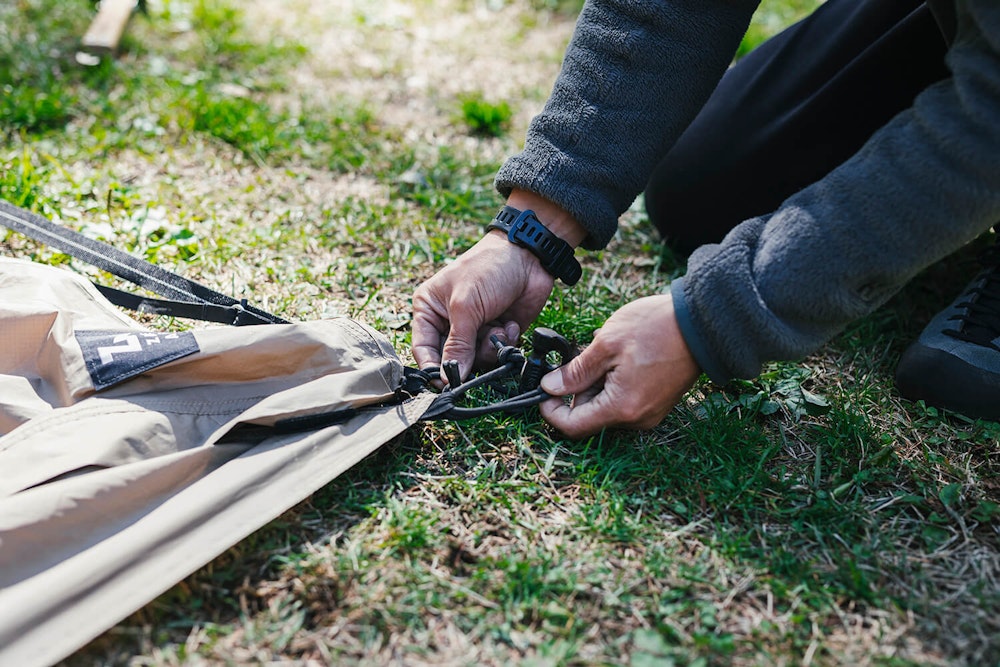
(183, 295)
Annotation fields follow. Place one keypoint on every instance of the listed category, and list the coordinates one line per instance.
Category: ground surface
(319, 159)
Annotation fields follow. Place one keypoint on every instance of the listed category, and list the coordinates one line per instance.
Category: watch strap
(523, 228)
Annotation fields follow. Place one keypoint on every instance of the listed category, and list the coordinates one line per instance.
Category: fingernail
(512, 331)
(553, 383)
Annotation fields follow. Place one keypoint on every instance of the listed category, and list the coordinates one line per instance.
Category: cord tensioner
(512, 365)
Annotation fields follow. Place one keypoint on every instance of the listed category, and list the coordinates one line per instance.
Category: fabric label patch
(115, 356)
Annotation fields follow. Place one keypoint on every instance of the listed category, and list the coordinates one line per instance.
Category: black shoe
(955, 364)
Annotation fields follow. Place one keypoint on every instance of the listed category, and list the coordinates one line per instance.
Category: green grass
(20, 180)
(810, 516)
(484, 117)
(772, 16)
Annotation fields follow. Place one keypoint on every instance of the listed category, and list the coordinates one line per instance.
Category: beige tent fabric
(108, 497)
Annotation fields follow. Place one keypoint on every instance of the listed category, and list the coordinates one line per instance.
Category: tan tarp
(108, 497)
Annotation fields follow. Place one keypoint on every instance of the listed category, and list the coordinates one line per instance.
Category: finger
(507, 335)
(513, 331)
(461, 344)
(428, 332)
(579, 419)
(581, 397)
(584, 377)
(486, 356)
(582, 372)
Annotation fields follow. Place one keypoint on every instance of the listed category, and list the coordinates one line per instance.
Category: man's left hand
(634, 372)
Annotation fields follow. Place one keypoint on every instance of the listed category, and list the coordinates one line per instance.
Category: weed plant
(485, 117)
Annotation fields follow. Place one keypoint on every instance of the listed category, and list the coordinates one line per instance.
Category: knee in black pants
(791, 111)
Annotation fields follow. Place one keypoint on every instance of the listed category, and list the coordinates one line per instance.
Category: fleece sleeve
(633, 77)
(777, 287)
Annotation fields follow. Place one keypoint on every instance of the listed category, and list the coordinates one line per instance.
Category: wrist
(524, 229)
(557, 219)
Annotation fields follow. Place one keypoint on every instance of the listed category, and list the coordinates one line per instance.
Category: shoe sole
(956, 385)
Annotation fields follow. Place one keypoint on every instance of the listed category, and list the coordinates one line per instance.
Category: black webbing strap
(206, 312)
(185, 298)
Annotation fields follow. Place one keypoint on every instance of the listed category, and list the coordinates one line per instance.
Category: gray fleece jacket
(778, 286)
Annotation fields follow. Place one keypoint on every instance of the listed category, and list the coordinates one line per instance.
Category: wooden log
(106, 30)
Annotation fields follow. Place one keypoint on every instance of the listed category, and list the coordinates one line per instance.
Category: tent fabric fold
(125, 463)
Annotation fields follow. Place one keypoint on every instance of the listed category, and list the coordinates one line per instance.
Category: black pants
(791, 111)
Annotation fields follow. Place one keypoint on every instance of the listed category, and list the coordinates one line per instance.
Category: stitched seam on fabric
(364, 337)
(41, 424)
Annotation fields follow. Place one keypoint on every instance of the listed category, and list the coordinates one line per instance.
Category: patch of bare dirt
(413, 60)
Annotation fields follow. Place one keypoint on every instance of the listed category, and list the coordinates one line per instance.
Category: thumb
(581, 373)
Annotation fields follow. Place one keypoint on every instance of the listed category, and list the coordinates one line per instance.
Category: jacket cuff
(709, 364)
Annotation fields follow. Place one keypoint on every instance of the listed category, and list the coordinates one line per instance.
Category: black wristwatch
(523, 228)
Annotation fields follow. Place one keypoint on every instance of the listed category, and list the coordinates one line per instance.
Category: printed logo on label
(115, 356)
